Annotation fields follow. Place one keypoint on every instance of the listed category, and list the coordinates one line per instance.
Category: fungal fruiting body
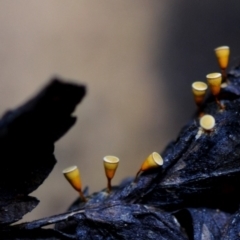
(222, 54)
(72, 175)
(214, 81)
(199, 91)
(154, 160)
(110, 165)
(207, 122)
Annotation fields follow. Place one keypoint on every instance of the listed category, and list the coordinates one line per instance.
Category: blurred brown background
(138, 59)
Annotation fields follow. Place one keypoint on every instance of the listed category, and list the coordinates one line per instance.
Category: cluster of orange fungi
(215, 81)
(110, 164)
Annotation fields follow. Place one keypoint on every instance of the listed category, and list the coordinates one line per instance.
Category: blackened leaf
(232, 89)
(117, 220)
(208, 223)
(232, 230)
(210, 166)
(27, 135)
(207, 165)
(14, 209)
(148, 182)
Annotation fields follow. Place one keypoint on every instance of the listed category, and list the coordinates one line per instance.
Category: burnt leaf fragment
(27, 136)
(205, 223)
(209, 169)
(232, 89)
(14, 209)
(117, 220)
(232, 229)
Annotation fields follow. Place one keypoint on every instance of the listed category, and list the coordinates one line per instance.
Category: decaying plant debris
(194, 195)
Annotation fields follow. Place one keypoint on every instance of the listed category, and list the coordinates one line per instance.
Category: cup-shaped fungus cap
(110, 165)
(207, 122)
(214, 81)
(72, 174)
(152, 161)
(199, 90)
(222, 54)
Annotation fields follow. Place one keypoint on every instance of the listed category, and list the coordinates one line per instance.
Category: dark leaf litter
(194, 195)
